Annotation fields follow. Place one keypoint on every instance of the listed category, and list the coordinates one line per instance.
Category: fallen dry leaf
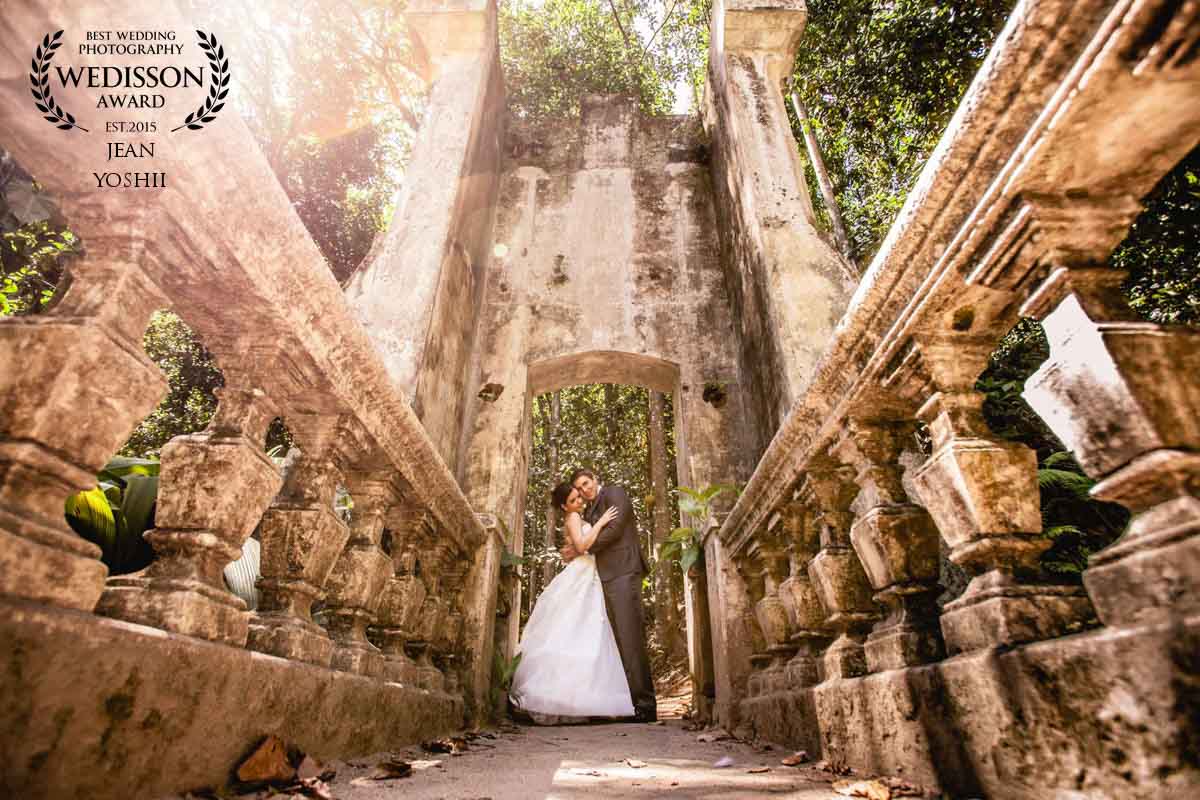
(872, 790)
(595, 773)
(391, 769)
(837, 767)
(758, 770)
(267, 764)
(453, 745)
(314, 787)
(795, 759)
(634, 762)
(902, 788)
(714, 736)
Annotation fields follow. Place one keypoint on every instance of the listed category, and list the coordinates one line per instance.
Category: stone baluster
(1124, 396)
(357, 581)
(771, 612)
(432, 616)
(750, 570)
(446, 647)
(404, 593)
(806, 616)
(47, 453)
(835, 570)
(213, 489)
(982, 493)
(898, 546)
(302, 537)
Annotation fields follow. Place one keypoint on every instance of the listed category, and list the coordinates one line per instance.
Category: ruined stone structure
(674, 253)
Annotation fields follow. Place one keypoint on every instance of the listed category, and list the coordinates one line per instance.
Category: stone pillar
(750, 569)
(404, 592)
(771, 612)
(302, 537)
(1124, 396)
(213, 489)
(898, 546)
(439, 237)
(433, 614)
(836, 572)
(357, 581)
(446, 647)
(81, 361)
(480, 595)
(982, 493)
(806, 616)
(792, 286)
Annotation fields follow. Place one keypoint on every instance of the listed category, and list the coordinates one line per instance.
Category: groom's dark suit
(619, 561)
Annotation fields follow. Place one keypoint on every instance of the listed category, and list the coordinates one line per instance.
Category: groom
(620, 563)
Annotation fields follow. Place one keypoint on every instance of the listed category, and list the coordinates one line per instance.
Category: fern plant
(1076, 523)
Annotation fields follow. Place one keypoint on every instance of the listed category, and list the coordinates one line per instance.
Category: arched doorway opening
(637, 407)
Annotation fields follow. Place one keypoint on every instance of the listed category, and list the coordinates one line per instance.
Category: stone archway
(654, 374)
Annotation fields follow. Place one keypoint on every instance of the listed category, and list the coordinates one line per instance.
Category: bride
(570, 665)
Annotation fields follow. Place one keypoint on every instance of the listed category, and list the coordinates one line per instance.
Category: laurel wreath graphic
(219, 86)
(39, 81)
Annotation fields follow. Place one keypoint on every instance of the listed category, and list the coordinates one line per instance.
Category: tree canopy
(555, 52)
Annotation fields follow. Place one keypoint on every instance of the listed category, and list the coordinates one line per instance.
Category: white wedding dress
(570, 665)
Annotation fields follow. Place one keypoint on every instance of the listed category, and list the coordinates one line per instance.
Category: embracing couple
(583, 652)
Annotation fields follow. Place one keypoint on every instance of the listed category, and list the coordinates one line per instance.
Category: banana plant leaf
(90, 515)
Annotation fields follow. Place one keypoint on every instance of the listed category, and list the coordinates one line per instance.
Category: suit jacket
(618, 549)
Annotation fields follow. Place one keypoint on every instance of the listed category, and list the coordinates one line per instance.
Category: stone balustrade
(222, 246)
(1014, 216)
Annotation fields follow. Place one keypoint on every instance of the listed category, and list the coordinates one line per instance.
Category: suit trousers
(623, 599)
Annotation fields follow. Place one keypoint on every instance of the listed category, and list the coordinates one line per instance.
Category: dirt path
(587, 761)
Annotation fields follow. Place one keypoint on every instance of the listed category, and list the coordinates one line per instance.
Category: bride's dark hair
(561, 493)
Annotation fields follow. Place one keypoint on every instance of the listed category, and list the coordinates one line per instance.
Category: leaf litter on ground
(870, 789)
(454, 745)
(795, 759)
(636, 763)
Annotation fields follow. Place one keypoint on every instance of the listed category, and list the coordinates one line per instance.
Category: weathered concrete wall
(1106, 715)
(787, 286)
(607, 270)
(419, 293)
(107, 710)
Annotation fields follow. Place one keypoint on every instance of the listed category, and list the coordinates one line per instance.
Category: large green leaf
(682, 535)
(668, 549)
(689, 505)
(690, 556)
(137, 506)
(120, 467)
(89, 514)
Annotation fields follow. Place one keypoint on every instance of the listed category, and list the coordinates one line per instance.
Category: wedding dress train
(570, 665)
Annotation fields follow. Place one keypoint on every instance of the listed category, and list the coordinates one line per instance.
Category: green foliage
(333, 98)
(192, 379)
(881, 79)
(1162, 250)
(503, 671)
(1076, 524)
(685, 545)
(555, 52)
(35, 246)
(116, 514)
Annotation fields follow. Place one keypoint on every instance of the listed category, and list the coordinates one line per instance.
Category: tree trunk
(818, 163)
(610, 421)
(666, 616)
(551, 511)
